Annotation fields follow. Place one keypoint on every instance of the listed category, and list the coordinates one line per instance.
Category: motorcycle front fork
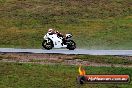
(48, 41)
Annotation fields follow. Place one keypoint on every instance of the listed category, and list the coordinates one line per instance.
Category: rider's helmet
(50, 30)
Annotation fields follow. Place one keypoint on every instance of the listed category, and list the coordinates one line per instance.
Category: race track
(66, 51)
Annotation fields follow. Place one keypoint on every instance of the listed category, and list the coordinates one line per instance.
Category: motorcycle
(54, 41)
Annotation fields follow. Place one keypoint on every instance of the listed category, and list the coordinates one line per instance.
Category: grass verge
(95, 24)
(17, 75)
(105, 59)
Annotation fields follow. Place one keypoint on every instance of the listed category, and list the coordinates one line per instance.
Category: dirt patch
(53, 59)
(29, 57)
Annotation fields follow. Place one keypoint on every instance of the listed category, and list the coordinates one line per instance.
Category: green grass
(95, 24)
(105, 59)
(17, 75)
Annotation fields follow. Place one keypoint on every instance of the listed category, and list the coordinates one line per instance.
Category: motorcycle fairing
(56, 41)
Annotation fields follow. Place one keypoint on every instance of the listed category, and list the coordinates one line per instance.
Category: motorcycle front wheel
(47, 45)
(71, 45)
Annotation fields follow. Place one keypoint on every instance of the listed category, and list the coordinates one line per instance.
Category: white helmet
(50, 30)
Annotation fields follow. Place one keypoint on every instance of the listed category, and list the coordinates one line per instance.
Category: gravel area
(52, 59)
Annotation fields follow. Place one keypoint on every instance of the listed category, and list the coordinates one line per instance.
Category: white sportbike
(54, 41)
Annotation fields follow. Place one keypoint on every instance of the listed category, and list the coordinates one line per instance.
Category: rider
(51, 32)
